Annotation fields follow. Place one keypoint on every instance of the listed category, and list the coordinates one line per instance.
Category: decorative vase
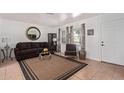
(82, 55)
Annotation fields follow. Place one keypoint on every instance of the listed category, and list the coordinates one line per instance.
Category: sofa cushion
(35, 45)
(27, 51)
(23, 46)
(40, 50)
(70, 47)
(74, 53)
(44, 45)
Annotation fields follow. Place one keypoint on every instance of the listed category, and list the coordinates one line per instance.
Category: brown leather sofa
(26, 50)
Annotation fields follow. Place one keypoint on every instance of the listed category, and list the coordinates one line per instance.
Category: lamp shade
(54, 39)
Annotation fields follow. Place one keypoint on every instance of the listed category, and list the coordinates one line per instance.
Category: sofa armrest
(16, 49)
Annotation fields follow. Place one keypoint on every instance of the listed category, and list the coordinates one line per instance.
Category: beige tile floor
(10, 70)
(99, 71)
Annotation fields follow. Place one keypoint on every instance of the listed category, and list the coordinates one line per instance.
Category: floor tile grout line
(20, 71)
(114, 73)
(5, 73)
(78, 77)
(88, 77)
(82, 79)
(71, 78)
(94, 75)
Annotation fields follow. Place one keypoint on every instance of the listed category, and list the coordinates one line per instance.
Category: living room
(61, 46)
(92, 38)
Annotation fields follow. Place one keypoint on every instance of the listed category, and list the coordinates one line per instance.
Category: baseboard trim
(112, 63)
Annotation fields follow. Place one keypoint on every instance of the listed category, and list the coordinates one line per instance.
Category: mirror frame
(32, 27)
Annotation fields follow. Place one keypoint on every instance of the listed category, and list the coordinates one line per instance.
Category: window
(63, 36)
(76, 35)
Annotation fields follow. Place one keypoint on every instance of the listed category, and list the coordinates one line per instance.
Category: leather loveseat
(26, 50)
(70, 50)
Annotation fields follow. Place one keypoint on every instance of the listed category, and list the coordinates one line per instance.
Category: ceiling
(48, 19)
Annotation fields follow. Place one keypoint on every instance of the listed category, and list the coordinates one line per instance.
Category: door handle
(102, 44)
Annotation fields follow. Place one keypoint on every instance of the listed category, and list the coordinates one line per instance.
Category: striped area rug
(54, 68)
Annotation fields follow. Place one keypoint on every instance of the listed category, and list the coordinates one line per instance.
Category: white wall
(0, 35)
(16, 31)
(92, 42)
(93, 47)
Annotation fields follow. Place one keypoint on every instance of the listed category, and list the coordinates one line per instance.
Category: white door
(112, 42)
(120, 42)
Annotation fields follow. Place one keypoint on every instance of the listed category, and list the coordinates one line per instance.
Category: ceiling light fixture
(75, 14)
(50, 13)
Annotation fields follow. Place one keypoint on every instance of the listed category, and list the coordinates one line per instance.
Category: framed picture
(90, 32)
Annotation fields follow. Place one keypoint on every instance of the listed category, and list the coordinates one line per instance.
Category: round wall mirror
(33, 33)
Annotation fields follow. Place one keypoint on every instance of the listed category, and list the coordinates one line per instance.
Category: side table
(2, 50)
(6, 53)
(10, 55)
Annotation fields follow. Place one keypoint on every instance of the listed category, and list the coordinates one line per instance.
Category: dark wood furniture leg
(3, 55)
(11, 54)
